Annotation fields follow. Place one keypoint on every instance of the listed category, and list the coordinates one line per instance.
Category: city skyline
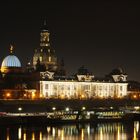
(99, 36)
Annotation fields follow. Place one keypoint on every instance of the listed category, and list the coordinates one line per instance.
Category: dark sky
(100, 35)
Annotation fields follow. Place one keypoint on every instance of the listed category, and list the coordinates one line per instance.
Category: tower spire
(11, 49)
(44, 35)
(45, 22)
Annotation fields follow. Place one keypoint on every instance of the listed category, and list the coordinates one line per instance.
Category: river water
(99, 131)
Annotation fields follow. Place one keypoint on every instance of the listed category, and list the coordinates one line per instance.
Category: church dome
(11, 61)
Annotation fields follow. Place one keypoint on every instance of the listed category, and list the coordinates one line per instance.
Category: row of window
(86, 87)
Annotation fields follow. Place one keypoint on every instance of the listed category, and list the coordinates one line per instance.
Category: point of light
(19, 133)
(20, 109)
(54, 108)
(83, 108)
(67, 109)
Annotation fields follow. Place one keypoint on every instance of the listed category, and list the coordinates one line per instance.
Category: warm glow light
(62, 135)
(8, 95)
(118, 133)
(101, 134)
(48, 129)
(62, 96)
(111, 107)
(19, 133)
(76, 90)
(8, 137)
(82, 96)
(33, 95)
(134, 96)
(53, 132)
(136, 107)
(41, 95)
(135, 134)
(24, 136)
(67, 109)
(88, 113)
(20, 109)
(40, 136)
(82, 134)
(33, 136)
(83, 108)
(88, 130)
(25, 95)
(137, 126)
(53, 108)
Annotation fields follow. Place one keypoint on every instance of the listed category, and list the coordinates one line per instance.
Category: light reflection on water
(100, 131)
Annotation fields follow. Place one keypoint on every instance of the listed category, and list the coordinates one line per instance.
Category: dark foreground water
(100, 131)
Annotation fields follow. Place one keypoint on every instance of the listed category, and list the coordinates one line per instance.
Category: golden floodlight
(33, 95)
(82, 96)
(134, 96)
(8, 95)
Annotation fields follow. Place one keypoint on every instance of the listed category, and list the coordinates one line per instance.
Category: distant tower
(44, 36)
(45, 53)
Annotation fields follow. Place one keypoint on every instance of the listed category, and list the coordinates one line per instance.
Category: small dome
(11, 61)
(117, 71)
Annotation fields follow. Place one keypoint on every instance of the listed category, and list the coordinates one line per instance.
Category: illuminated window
(46, 86)
(68, 87)
(40, 58)
(55, 87)
(47, 94)
(112, 88)
(74, 87)
(62, 87)
(121, 88)
(86, 87)
(49, 58)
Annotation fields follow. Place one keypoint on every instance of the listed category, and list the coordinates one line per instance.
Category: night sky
(99, 35)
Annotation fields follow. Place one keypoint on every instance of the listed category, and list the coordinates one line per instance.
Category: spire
(44, 25)
(11, 49)
(45, 22)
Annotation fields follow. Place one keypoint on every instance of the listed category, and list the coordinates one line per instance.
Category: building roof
(11, 61)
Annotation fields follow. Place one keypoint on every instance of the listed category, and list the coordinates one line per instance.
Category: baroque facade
(76, 89)
(84, 86)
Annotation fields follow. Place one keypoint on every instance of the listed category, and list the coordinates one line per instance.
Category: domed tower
(11, 63)
(45, 53)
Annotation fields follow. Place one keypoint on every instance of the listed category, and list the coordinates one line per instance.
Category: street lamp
(67, 109)
(20, 109)
(54, 108)
(83, 108)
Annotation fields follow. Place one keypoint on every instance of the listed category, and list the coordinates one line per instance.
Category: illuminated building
(83, 86)
(47, 78)
(44, 55)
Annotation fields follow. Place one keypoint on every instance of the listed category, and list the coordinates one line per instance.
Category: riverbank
(55, 111)
(74, 104)
(44, 119)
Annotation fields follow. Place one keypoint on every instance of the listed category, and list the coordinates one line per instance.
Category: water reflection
(101, 131)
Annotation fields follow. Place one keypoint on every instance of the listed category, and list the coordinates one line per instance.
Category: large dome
(11, 61)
